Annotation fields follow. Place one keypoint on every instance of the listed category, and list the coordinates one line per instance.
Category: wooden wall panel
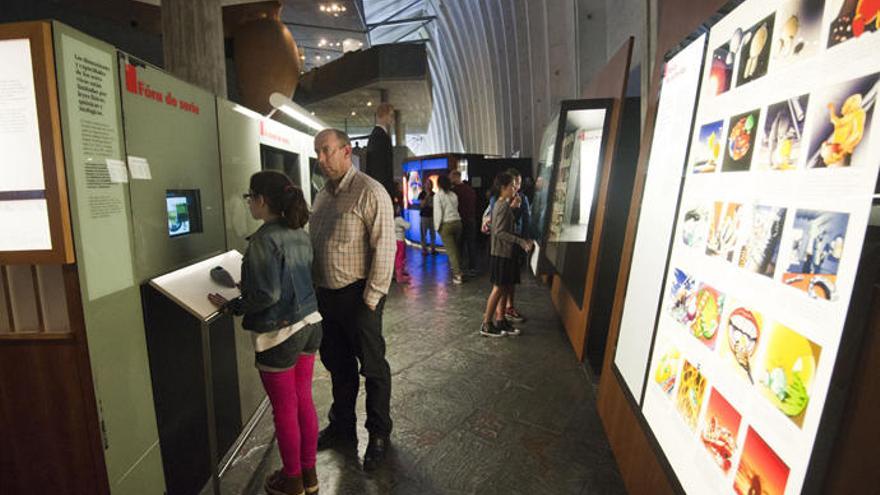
(610, 82)
(42, 418)
(639, 465)
(854, 460)
(50, 439)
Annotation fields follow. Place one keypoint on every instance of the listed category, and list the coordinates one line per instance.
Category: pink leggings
(296, 422)
(400, 259)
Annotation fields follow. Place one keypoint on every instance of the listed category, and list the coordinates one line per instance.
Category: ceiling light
(290, 108)
(369, 103)
(353, 114)
(248, 112)
(332, 8)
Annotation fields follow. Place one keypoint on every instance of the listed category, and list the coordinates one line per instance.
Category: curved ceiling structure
(498, 67)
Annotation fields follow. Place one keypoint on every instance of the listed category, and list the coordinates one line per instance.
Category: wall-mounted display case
(578, 153)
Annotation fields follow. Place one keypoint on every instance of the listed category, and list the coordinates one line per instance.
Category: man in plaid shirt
(352, 231)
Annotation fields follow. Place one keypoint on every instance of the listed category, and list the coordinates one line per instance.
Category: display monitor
(184, 212)
(581, 141)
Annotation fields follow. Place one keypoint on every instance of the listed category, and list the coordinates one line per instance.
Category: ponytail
(282, 196)
(295, 210)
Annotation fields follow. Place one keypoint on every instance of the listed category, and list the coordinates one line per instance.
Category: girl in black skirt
(502, 263)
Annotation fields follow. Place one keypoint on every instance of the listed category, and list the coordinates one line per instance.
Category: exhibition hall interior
(350, 247)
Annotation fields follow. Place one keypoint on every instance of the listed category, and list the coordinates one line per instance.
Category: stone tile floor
(471, 415)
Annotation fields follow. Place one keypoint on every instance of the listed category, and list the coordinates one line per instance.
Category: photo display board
(672, 129)
(771, 221)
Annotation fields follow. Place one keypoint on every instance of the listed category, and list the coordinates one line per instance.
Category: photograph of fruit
(741, 141)
(705, 326)
(787, 371)
(666, 371)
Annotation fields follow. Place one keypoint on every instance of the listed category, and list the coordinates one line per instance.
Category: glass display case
(578, 152)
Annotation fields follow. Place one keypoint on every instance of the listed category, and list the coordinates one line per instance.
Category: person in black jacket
(380, 153)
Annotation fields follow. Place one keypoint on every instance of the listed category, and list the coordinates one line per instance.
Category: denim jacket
(276, 279)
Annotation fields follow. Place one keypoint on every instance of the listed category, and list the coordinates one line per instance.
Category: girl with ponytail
(281, 312)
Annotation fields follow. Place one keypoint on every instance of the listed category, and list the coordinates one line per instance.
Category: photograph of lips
(709, 304)
(761, 249)
(720, 429)
(754, 54)
(727, 230)
(760, 471)
(741, 141)
(666, 371)
(787, 371)
(799, 25)
(691, 391)
(854, 19)
(707, 150)
(721, 70)
(682, 297)
(695, 226)
(839, 123)
(742, 337)
(779, 144)
(815, 252)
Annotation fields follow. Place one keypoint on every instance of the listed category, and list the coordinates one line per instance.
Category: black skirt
(503, 271)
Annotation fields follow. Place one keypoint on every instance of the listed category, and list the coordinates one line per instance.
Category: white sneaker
(457, 280)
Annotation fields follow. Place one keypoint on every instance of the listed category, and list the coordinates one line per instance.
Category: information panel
(774, 208)
(23, 206)
(678, 95)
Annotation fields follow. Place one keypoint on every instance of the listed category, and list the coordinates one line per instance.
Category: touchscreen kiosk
(184, 215)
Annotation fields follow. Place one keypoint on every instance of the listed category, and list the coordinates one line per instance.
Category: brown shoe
(310, 480)
(278, 483)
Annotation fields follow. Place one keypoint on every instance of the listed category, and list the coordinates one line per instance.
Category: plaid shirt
(352, 230)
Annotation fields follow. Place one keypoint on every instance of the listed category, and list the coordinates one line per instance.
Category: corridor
(471, 415)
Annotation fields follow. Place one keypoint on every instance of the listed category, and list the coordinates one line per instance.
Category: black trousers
(352, 336)
(468, 245)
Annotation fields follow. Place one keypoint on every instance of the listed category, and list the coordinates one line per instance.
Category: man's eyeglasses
(248, 195)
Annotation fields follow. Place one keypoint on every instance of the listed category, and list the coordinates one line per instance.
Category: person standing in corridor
(447, 222)
(352, 231)
(380, 152)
